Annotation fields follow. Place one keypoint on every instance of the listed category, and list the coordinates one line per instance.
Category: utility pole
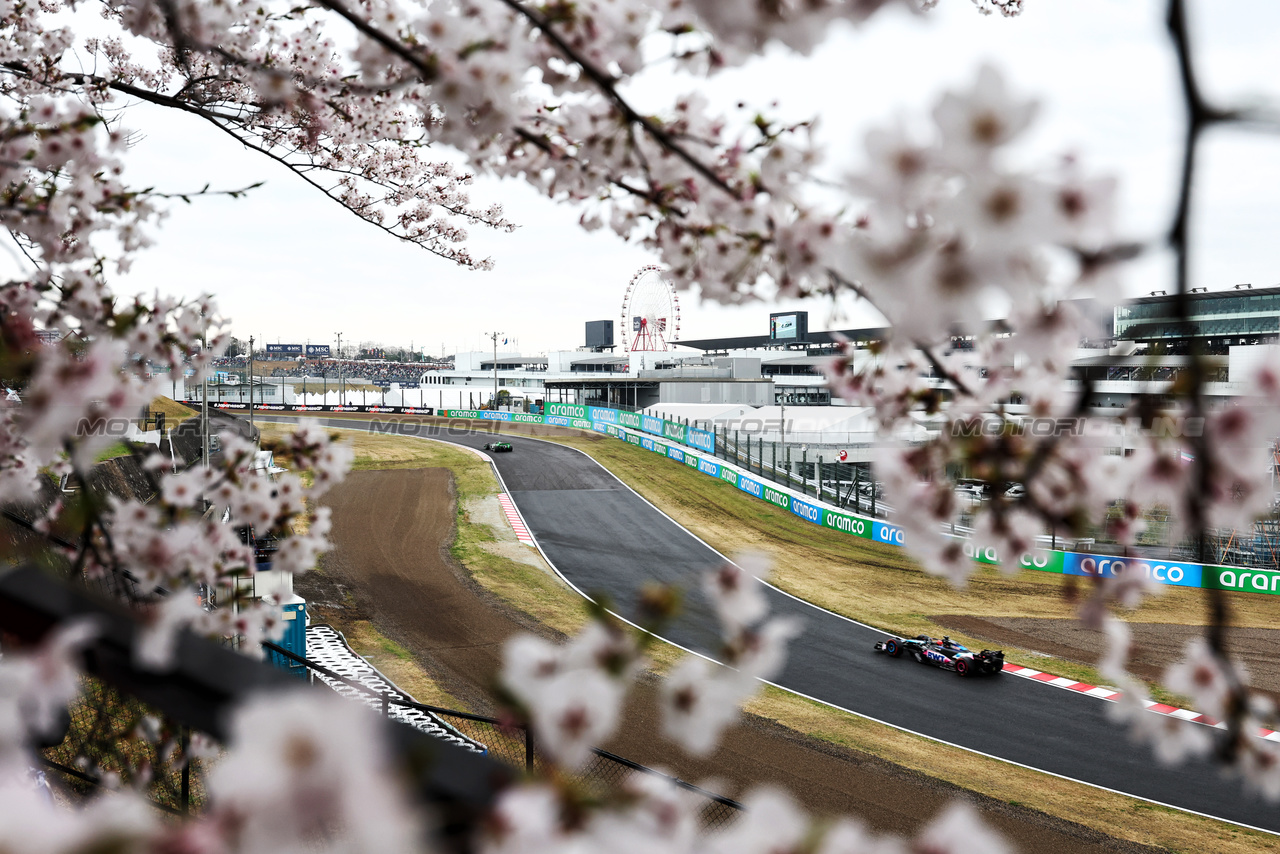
(251, 384)
(342, 389)
(494, 336)
(204, 403)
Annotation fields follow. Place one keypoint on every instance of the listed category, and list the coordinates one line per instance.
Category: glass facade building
(1223, 317)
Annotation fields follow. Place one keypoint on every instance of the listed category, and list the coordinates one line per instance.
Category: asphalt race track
(608, 541)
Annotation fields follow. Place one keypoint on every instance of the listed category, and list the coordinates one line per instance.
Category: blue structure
(294, 615)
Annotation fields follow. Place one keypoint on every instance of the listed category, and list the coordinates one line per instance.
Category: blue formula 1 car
(945, 653)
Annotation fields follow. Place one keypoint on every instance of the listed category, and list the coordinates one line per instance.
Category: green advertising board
(777, 497)
(1241, 578)
(846, 523)
(567, 410)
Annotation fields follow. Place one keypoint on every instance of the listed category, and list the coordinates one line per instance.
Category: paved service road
(607, 540)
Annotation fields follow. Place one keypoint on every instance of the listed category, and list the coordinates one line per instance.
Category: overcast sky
(288, 266)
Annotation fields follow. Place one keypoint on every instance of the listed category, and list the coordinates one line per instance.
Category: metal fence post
(804, 464)
(185, 745)
(817, 480)
(787, 448)
(760, 460)
(775, 461)
(736, 454)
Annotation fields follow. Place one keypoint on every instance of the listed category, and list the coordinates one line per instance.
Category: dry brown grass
(871, 582)
(879, 584)
(396, 663)
(1115, 815)
(174, 413)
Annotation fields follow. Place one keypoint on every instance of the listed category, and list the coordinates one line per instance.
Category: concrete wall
(749, 394)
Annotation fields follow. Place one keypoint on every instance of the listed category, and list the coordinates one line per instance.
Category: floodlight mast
(494, 336)
(342, 388)
(251, 384)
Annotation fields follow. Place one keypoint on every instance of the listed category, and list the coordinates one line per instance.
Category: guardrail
(682, 443)
(207, 680)
(513, 744)
(661, 434)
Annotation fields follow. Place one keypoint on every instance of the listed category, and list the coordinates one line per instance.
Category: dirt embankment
(391, 564)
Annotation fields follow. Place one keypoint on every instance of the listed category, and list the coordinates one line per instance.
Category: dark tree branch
(608, 86)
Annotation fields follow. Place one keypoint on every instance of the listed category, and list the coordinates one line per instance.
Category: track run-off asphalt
(604, 539)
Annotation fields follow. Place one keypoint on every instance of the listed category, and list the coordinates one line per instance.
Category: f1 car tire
(892, 648)
(962, 667)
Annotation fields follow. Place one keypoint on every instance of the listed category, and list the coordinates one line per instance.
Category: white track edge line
(831, 705)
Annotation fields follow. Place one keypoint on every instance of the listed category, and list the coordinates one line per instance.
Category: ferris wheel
(651, 311)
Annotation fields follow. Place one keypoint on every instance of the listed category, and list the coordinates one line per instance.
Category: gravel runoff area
(391, 565)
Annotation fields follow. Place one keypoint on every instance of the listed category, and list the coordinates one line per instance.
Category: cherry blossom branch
(1200, 117)
(607, 85)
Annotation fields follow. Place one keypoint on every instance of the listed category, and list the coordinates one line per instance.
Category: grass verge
(877, 584)
(174, 413)
(533, 591)
(880, 585)
(112, 451)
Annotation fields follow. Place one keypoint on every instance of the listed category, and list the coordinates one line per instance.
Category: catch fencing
(819, 493)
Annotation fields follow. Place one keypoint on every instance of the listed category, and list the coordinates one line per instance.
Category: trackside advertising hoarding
(751, 487)
(847, 523)
(567, 410)
(298, 407)
(619, 423)
(1237, 578)
(700, 439)
(1176, 574)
